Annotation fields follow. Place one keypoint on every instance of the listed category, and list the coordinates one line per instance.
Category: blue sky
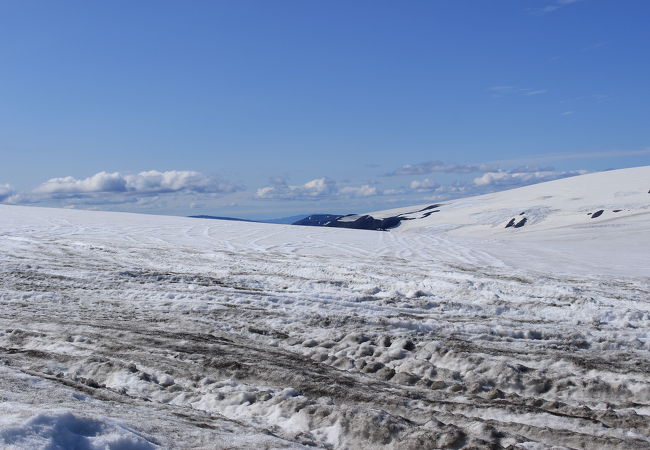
(269, 108)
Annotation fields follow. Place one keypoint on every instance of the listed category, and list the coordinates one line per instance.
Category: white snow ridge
(467, 327)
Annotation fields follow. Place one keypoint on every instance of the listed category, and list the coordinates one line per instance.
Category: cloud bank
(315, 189)
(148, 182)
(439, 167)
(491, 181)
(490, 178)
(181, 189)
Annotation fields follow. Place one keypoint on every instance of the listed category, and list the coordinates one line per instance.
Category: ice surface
(450, 331)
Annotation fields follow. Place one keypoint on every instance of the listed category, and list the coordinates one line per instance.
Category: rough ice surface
(126, 331)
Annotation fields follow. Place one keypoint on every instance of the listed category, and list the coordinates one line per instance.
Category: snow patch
(65, 430)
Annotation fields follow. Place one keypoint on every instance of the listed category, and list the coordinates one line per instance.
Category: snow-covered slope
(618, 199)
(135, 331)
(589, 224)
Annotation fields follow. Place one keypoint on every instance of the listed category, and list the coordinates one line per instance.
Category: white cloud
(458, 189)
(554, 6)
(148, 182)
(500, 91)
(6, 192)
(314, 189)
(533, 91)
(513, 179)
(359, 191)
(425, 185)
(395, 191)
(319, 186)
(100, 182)
(490, 181)
(174, 181)
(527, 169)
(439, 167)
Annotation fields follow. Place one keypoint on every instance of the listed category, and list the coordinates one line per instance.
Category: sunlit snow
(452, 330)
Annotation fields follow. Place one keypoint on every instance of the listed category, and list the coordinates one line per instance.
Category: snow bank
(64, 430)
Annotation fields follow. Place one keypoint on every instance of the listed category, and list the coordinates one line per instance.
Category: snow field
(121, 330)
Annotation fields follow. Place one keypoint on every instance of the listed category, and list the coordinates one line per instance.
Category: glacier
(449, 331)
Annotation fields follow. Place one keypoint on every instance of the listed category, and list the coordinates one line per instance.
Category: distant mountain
(368, 222)
(285, 220)
(317, 220)
(359, 222)
(314, 219)
(223, 218)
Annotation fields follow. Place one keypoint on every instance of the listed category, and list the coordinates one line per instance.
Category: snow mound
(64, 430)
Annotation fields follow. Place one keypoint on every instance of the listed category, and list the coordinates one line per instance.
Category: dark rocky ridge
(317, 220)
(514, 224)
(367, 222)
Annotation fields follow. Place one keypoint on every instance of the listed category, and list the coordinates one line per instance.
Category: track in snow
(200, 333)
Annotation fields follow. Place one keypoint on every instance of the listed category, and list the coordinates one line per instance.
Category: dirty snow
(135, 331)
